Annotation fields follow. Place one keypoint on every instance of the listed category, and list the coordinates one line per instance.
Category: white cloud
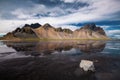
(13, 24)
(19, 13)
(117, 36)
(104, 27)
(8, 25)
(40, 9)
(95, 12)
(106, 7)
(22, 13)
(113, 32)
(67, 26)
(69, 1)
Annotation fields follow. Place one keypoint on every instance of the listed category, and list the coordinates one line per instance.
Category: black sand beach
(60, 62)
(59, 68)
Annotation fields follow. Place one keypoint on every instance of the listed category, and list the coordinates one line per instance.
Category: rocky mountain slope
(46, 31)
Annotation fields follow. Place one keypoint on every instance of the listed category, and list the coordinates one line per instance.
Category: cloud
(69, 1)
(114, 32)
(13, 24)
(95, 11)
(117, 36)
(20, 14)
(59, 13)
(105, 27)
(60, 8)
(67, 26)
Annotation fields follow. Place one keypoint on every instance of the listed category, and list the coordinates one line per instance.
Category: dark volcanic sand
(39, 60)
(59, 67)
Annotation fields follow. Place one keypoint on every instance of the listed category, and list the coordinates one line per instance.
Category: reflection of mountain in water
(92, 47)
(57, 46)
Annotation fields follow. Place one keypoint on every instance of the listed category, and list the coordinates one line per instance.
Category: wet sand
(59, 60)
(60, 67)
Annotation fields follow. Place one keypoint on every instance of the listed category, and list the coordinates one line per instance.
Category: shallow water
(27, 49)
(58, 60)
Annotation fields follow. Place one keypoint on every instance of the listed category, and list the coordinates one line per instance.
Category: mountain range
(46, 31)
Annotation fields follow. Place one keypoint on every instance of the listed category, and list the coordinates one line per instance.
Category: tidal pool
(59, 60)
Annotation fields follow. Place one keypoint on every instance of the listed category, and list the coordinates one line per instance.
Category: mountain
(90, 31)
(26, 32)
(46, 31)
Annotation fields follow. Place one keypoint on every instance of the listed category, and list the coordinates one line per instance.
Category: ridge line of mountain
(46, 31)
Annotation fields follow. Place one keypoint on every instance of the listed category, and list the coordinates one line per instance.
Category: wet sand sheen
(59, 61)
(59, 68)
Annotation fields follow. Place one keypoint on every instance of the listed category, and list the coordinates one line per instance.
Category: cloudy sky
(61, 13)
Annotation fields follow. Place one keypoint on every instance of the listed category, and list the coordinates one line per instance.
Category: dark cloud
(8, 6)
(60, 3)
(117, 22)
(113, 27)
(51, 3)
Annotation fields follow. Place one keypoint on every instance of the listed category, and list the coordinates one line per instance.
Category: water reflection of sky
(26, 49)
(112, 48)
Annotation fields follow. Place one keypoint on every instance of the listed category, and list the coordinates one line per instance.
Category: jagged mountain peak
(90, 26)
(93, 27)
(46, 31)
(35, 25)
(46, 26)
(26, 25)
